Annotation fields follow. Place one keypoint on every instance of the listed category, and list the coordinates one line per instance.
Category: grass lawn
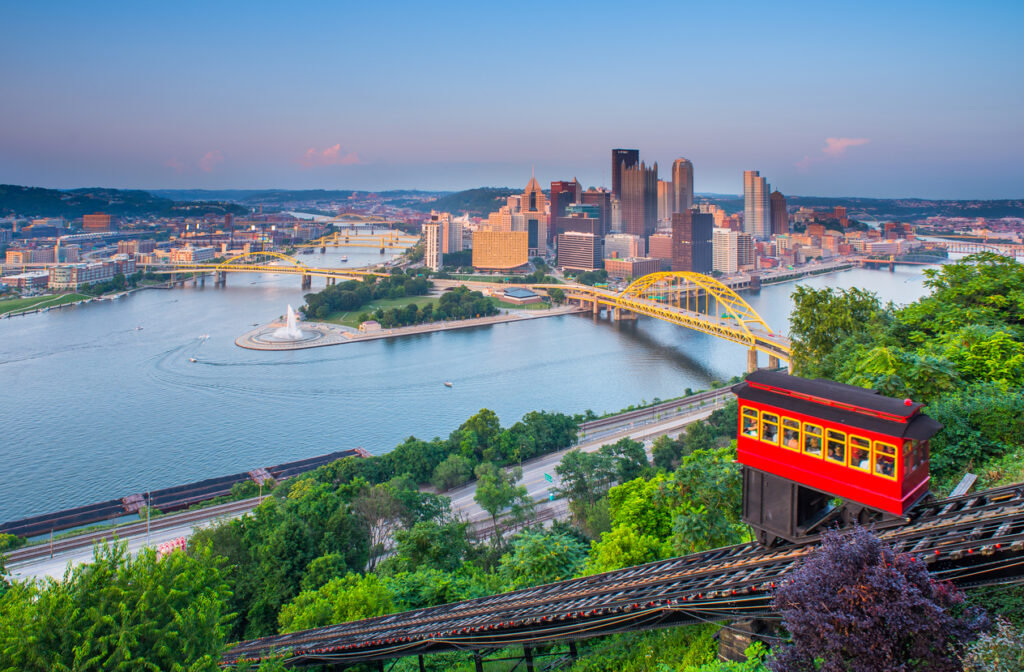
(351, 318)
(504, 305)
(30, 303)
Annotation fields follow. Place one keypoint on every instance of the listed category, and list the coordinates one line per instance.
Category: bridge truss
(694, 301)
(388, 240)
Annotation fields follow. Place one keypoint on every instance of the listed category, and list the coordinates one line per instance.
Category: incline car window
(749, 424)
(812, 440)
(835, 449)
(860, 453)
(885, 460)
(791, 434)
(769, 427)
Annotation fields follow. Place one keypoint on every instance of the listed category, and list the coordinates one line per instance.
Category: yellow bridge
(263, 262)
(353, 238)
(689, 300)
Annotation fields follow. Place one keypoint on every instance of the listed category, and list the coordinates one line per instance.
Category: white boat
(345, 258)
(447, 383)
(192, 359)
(138, 328)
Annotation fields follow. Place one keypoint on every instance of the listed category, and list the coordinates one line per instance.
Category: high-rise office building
(622, 158)
(746, 252)
(616, 210)
(779, 216)
(682, 184)
(534, 208)
(603, 199)
(500, 250)
(666, 201)
(451, 231)
(756, 205)
(692, 241)
(640, 200)
(623, 246)
(563, 194)
(433, 257)
(96, 222)
(724, 251)
(579, 251)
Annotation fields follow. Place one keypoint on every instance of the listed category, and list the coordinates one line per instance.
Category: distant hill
(481, 201)
(902, 209)
(39, 202)
(283, 196)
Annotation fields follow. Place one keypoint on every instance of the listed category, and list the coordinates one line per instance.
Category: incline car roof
(838, 403)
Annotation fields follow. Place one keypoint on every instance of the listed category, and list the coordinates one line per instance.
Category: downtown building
(732, 251)
(692, 247)
(639, 199)
(500, 250)
(533, 207)
(563, 194)
(756, 205)
(451, 231)
(631, 268)
(433, 255)
(579, 251)
(779, 214)
(682, 184)
(621, 159)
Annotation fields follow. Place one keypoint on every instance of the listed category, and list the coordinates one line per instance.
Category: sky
(876, 99)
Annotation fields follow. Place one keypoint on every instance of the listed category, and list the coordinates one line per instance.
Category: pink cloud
(175, 163)
(332, 156)
(838, 146)
(833, 149)
(209, 160)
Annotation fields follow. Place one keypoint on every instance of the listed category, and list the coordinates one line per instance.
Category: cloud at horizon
(331, 156)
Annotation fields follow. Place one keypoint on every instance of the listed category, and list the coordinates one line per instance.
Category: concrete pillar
(307, 281)
(773, 362)
(202, 280)
(751, 360)
(596, 308)
(323, 249)
(528, 654)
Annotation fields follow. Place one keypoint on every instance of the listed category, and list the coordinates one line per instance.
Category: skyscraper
(692, 241)
(433, 257)
(603, 199)
(780, 216)
(563, 194)
(756, 205)
(534, 210)
(666, 201)
(682, 184)
(640, 200)
(622, 158)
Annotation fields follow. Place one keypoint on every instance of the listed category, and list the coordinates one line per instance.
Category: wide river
(94, 408)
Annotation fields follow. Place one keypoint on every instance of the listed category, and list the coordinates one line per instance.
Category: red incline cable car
(804, 443)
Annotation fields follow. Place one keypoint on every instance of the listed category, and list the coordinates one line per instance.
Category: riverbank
(332, 334)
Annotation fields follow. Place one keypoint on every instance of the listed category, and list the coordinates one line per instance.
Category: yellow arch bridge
(348, 238)
(264, 262)
(689, 300)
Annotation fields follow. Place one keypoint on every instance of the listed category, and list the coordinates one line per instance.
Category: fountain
(290, 331)
(290, 336)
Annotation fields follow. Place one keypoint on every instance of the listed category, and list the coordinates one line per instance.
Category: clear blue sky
(920, 98)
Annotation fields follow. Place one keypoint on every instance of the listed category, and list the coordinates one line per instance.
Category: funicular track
(971, 540)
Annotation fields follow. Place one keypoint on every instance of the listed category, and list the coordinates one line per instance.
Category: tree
(1001, 650)
(556, 295)
(855, 605)
(455, 470)
(429, 544)
(478, 435)
(821, 319)
(119, 612)
(704, 499)
(496, 492)
(536, 557)
(380, 510)
(347, 598)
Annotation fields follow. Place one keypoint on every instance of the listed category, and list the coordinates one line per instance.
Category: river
(93, 408)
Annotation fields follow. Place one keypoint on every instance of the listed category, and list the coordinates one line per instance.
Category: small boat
(192, 359)
(138, 328)
(447, 383)
(345, 258)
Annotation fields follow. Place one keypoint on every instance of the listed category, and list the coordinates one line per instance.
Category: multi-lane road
(644, 425)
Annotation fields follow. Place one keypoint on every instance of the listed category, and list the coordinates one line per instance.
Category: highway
(644, 425)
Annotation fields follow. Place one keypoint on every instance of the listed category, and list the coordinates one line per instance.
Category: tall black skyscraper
(629, 157)
(691, 241)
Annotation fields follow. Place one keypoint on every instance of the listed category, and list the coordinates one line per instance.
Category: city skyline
(854, 101)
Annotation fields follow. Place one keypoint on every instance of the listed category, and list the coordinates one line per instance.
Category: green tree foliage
(429, 587)
(345, 598)
(454, 470)
(119, 613)
(536, 557)
(556, 295)
(822, 319)
(429, 544)
(498, 495)
(706, 511)
(352, 295)
(681, 649)
(1001, 650)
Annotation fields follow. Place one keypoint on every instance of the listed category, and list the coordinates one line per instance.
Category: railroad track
(155, 525)
(970, 540)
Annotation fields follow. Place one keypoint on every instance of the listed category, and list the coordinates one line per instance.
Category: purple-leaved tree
(855, 605)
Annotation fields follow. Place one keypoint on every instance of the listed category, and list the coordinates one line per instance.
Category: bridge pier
(773, 362)
(221, 279)
(307, 281)
(751, 360)
(202, 280)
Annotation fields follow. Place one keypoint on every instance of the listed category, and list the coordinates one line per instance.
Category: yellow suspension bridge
(690, 300)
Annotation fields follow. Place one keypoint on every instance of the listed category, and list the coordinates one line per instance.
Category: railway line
(970, 540)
